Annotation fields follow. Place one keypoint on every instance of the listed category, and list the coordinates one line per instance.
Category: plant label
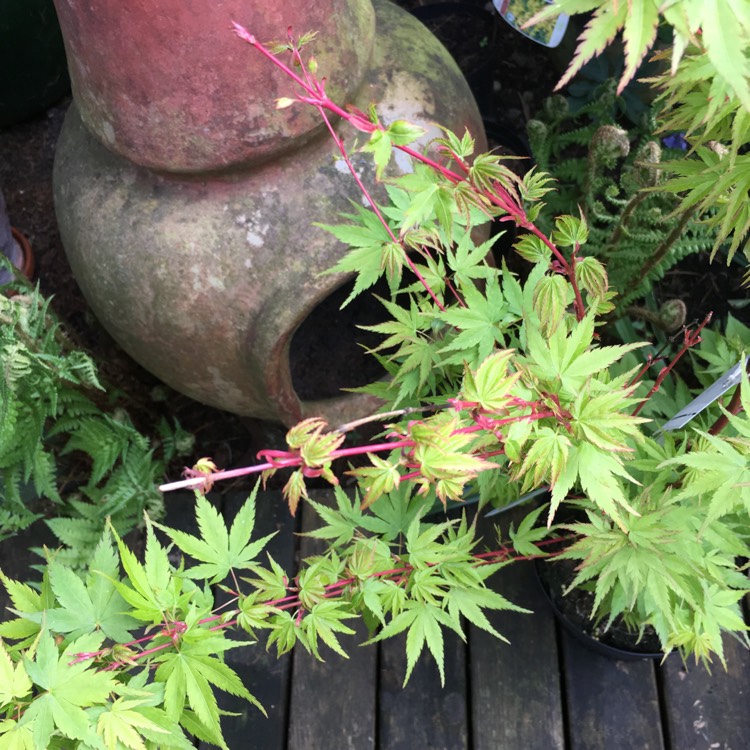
(516, 12)
(728, 380)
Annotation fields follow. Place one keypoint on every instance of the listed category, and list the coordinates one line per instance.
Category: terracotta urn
(187, 202)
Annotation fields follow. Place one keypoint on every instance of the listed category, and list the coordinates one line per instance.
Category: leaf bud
(644, 171)
(556, 107)
(672, 315)
(608, 144)
(592, 276)
(538, 133)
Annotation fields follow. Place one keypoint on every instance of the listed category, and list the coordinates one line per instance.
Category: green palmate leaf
(78, 614)
(15, 736)
(25, 600)
(189, 675)
(69, 688)
(312, 581)
(218, 549)
(480, 325)
(422, 202)
(323, 621)
(528, 533)
(570, 231)
(151, 589)
(532, 248)
(392, 514)
(462, 147)
(603, 419)
(725, 33)
(722, 26)
(379, 479)
(423, 625)
(285, 633)
(425, 545)
(253, 614)
(639, 33)
(552, 295)
(367, 558)
(444, 457)
(14, 682)
(471, 603)
(487, 172)
(599, 473)
(372, 250)
(490, 386)
(716, 189)
(340, 523)
(270, 584)
(93, 604)
(721, 473)
(536, 184)
(719, 612)
(591, 276)
(469, 261)
(600, 30)
(370, 593)
(546, 459)
(565, 360)
(125, 723)
(380, 146)
(402, 133)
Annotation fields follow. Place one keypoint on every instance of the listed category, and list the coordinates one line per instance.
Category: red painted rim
(27, 269)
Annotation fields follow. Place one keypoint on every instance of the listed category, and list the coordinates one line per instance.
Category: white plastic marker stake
(728, 380)
(517, 12)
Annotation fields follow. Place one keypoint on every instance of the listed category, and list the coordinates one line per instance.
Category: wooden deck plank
(423, 714)
(610, 703)
(506, 696)
(515, 687)
(265, 676)
(709, 710)
(333, 703)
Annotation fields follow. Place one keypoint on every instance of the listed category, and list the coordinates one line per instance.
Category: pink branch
(690, 339)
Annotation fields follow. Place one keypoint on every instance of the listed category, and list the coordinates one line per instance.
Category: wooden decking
(542, 692)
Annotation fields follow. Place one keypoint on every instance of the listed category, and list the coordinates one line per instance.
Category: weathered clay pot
(204, 279)
(169, 86)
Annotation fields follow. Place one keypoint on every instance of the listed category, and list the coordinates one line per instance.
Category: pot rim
(593, 644)
(28, 264)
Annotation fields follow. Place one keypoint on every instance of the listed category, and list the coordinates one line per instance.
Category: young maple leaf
(69, 688)
(219, 549)
(14, 682)
(91, 604)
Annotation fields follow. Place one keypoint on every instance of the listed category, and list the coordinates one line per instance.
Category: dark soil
(575, 608)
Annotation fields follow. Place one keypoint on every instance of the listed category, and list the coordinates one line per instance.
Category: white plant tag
(516, 12)
(728, 380)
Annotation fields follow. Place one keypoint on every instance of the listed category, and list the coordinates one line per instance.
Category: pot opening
(328, 351)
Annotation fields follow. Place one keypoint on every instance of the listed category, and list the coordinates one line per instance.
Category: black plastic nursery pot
(572, 611)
